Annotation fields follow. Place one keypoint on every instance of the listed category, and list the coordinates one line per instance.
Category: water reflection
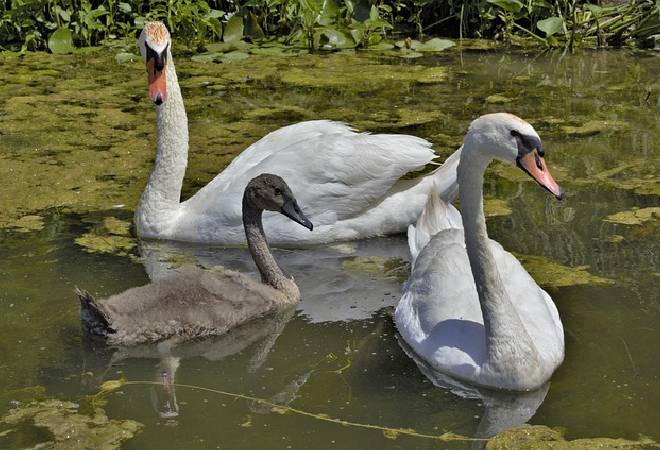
(501, 410)
(341, 282)
(256, 338)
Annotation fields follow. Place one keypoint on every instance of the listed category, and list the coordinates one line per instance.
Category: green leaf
(373, 13)
(253, 29)
(124, 7)
(434, 45)
(508, 5)
(595, 9)
(334, 38)
(63, 13)
(234, 29)
(61, 41)
(328, 13)
(551, 25)
(357, 35)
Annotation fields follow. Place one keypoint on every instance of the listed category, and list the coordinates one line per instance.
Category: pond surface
(78, 140)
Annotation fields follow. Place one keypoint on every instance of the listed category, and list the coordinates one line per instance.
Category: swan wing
(536, 309)
(435, 217)
(335, 172)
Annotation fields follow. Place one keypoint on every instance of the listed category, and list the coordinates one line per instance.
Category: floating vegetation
(389, 432)
(26, 224)
(635, 216)
(385, 267)
(551, 274)
(69, 428)
(498, 99)
(111, 236)
(540, 437)
(496, 207)
(593, 127)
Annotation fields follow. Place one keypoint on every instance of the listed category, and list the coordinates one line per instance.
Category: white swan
(349, 182)
(469, 308)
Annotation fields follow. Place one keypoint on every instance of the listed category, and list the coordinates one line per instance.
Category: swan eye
(278, 191)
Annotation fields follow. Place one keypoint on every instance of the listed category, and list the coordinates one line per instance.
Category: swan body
(195, 303)
(469, 309)
(349, 181)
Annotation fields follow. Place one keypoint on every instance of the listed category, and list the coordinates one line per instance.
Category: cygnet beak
(293, 212)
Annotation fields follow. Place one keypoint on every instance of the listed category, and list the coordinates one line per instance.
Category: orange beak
(534, 165)
(157, 91)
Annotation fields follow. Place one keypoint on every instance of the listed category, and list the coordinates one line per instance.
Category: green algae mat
(77, 134)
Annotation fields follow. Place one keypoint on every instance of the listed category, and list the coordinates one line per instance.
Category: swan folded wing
(536, 309)
(327, 164)
(435, 217)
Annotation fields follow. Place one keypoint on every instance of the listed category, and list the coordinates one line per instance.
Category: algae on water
(551, 274)
(377, 265)
(69, 428)
(540, 437)
(111, 236)
(635, 216)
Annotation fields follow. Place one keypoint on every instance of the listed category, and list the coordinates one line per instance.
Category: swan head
(270, 192)
(154, 42)
(512, 140)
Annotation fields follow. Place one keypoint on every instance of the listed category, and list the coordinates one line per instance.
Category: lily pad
(435, 45)
(635, 216)
(69, 428)
(61, 41)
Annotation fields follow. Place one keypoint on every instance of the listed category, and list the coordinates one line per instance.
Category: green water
(78, 138)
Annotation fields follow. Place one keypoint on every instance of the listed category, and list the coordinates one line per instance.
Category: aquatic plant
(60, 25)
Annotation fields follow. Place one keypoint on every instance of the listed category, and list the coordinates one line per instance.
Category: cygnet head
(154, 42)
(511, 139)
(270, 192)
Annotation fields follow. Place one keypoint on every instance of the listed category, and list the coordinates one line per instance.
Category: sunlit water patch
(78, 140)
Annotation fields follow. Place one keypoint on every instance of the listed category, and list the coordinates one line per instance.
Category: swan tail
(92, 317)
(445, 177)
(435, 217)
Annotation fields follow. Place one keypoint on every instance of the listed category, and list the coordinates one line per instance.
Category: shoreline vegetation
(63, 26)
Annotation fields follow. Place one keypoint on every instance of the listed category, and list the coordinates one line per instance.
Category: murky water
(78, 138)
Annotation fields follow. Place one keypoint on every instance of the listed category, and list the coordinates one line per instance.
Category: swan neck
(162, 195)
(501, 321)
(271, 273)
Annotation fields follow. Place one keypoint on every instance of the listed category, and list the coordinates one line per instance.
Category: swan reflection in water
(332, 289)
(502, 410)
